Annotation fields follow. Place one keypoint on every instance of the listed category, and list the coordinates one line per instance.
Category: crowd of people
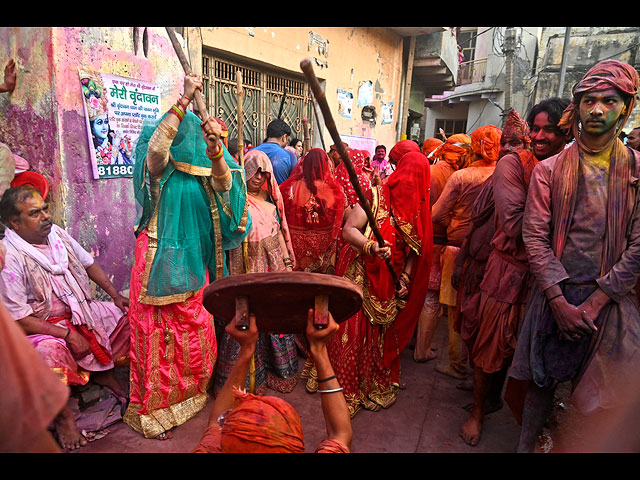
(526, 238)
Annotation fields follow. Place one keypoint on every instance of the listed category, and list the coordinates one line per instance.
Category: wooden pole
(306, 144)
(200, 105)
(317, 117)
(240, 135)
(307, 69)
(284, 96)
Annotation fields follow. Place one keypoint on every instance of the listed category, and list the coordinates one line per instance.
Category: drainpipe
(407, 86)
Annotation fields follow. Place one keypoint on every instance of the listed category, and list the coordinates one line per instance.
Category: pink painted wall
(43, 121)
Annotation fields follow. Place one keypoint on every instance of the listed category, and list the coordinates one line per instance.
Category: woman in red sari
(366, 350)
(314, 204)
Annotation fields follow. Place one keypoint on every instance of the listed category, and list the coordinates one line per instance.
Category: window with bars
(450, 127)
(263, 93)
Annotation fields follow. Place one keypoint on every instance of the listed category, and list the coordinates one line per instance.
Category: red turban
(516, 128)
(401, 148)
(485, 141)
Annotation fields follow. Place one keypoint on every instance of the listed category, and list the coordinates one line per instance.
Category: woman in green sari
(192, 206)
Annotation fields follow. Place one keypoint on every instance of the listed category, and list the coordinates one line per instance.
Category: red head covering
(342, 176)
(401, 148)
(314, 204)
(261, 424)
(485, 141)
(409, 197)
(33, 179)
(516, 129)
(457, 150)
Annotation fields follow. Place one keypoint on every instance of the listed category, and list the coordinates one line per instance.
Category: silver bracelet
(331, 391)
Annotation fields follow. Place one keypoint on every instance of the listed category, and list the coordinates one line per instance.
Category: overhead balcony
(435, 63)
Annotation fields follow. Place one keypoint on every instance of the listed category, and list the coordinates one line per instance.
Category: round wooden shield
(281, 301)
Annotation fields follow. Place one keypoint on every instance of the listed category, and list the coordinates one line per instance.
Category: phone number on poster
(115, 170)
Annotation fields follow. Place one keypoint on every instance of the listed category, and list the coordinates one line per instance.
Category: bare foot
(165, 435)
(450, 371)
(471, 431)
(67, 433)
(431, 355)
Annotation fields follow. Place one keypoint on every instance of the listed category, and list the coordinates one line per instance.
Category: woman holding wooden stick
(366, 350)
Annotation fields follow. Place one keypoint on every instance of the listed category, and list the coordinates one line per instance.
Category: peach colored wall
(355, 54)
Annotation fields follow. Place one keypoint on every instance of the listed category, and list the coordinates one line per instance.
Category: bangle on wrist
(366, 248)
(217, 156)
(320, 380)
(333, 390)
(177, 112)
(66, 334)
(180, 101)
(555, 296)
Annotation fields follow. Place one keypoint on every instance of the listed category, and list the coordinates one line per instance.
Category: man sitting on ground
(45, 286)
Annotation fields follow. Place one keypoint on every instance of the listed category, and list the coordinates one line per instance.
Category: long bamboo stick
(200, 105)
(240, 135)
(307, 69)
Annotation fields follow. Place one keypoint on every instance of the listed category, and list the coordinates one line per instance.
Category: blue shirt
(282, 160)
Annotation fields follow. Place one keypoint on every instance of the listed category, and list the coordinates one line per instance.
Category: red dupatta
(408, 193)
(314, 204)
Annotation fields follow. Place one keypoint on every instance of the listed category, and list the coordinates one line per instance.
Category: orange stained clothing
(453, 208)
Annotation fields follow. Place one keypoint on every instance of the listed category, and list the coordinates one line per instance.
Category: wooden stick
(284, 95)
(306, 144)
(317, 117)
(307, 69)
(240, 135)
(200, 105)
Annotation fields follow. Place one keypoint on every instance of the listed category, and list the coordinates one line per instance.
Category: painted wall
(586, 46)
(43, 121)
(354, 55)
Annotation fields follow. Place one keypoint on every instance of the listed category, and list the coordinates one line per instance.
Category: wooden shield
(281, 301)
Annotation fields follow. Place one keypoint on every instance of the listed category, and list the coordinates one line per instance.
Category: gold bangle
(366, 249)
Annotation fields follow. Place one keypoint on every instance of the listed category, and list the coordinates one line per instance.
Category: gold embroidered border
(217, 229)
(161, 420)
(191, 169)
(412, 241)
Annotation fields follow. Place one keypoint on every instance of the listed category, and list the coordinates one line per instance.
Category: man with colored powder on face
(45, 286)
(581, 230)
(546, 138)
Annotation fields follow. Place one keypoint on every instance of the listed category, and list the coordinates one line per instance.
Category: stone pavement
(426, 418)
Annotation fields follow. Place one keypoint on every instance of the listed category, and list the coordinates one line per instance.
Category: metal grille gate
(263, 92)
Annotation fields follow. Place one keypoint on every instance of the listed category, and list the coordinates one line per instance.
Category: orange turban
(429, 148)
(456, 150)
(485, 141)
(261, 424)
